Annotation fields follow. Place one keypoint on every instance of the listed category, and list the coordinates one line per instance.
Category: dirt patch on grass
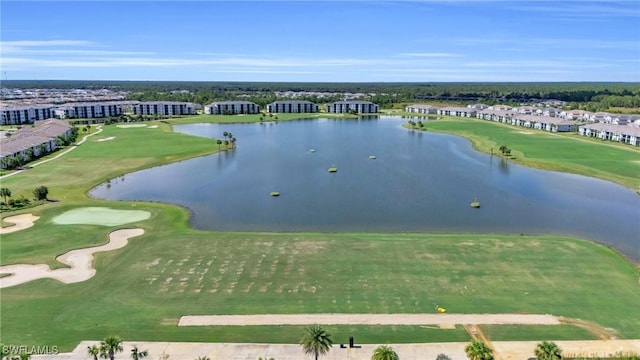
(593, 328)
(20, 222)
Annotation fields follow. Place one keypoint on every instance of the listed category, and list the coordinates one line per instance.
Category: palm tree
(110, 346)
(478, 350)
(548, 350)
(203, 358)
(5, 193)
(316, 341)
(443, 356)
(219, 142)
(225, 134)
(384, 352)
(233, 142)
(94, 351)
(226, 144)
(137, 354)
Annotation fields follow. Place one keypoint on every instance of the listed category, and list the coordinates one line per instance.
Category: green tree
(316, 341)
(136, 354)
(5, 193)
(219, 142)
(226, 144)
(94, 351)
(110, 346)
(548, 350)
(41, 193)
(384, 352)
(443, 356)
(478, 350)
(203, 358)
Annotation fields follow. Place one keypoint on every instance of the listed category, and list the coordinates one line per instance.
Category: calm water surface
(418, 182)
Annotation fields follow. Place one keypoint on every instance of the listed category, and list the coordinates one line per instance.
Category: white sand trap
(21, 222)
(153, 127)
(526, 132)
(106, 138)
(369, 319)
(132, 126)
(100, 216)
(80, 262)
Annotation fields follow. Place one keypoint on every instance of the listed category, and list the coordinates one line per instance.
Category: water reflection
(419, 181)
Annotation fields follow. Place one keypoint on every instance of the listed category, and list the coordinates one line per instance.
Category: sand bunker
(369, 319)
(21, 222)
(153, 127)
(100, 216)
(106, 138)
(132, 126)
(80, 262)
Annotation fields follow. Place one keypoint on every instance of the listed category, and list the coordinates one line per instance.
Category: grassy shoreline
(240, 272)
(548, 151)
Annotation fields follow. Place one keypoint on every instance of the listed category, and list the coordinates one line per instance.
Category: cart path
(369, 319)
(80, 262)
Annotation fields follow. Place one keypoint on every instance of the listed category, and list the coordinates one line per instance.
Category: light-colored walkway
(369, 319)
(80, 262)
(511, 350)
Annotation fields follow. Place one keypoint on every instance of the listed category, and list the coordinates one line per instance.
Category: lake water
(418, 182)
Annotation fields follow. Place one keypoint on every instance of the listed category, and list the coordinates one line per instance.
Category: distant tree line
(595, 95)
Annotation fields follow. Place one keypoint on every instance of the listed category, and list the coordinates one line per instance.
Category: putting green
(100, 216)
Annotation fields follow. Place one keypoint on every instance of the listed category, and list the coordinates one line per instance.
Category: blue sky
(311, 41)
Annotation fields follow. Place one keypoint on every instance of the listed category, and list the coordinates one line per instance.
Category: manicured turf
(536, 332)
(562, 152)
(100, 216)
(140, 291)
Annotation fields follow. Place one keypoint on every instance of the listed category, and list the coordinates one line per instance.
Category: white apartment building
(163, 108)
(360, 107)
(231, 108)
(292, 106)
(421, 109)
(27, 114)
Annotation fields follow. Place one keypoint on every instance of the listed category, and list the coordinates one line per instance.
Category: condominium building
(42, 137)
(27, 114)
(163, 108)
(231, 108)
(87, 110)
(421, 109)
(292, 106)
(360, 107)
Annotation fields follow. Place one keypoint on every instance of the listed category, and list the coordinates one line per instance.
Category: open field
(561, 152)
(196, 272)
(141, 291)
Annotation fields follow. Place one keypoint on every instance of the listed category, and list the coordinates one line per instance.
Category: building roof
(232, 102)
(619, 129)
(29, 136)
(353, 102)
(292, 102)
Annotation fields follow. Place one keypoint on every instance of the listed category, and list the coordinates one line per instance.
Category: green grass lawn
(562, 152)
(140, 291)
